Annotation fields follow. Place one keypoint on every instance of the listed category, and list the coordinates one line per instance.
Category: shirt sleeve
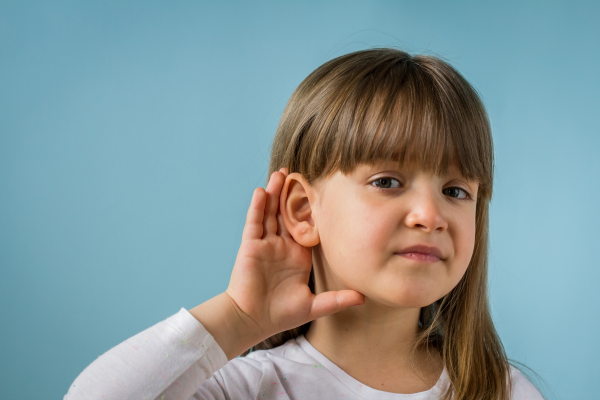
(169, 360)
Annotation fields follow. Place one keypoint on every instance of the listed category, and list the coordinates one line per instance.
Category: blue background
(133, 133)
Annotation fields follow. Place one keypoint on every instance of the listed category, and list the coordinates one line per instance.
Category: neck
(368, 339)
(371, 331)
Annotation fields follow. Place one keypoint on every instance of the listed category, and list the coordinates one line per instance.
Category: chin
(407, 298)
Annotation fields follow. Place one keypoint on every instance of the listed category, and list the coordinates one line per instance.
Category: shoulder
(522, 388)
(247, 372)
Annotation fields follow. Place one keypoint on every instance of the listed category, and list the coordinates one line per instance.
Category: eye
(457, 193)
(386, 183)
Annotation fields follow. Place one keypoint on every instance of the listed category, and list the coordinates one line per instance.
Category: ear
(296, 207)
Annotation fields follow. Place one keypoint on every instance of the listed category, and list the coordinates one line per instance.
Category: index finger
(255, 216)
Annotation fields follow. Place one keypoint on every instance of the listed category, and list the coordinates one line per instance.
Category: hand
(269, 282)
(268, 291)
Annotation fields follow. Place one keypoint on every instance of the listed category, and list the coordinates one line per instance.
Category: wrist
(221, 317)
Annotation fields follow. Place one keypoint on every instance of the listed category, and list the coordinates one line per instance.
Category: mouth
(422, 253)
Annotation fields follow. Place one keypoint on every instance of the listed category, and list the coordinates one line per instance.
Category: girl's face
(402, 237)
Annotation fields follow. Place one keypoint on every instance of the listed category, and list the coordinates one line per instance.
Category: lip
(422, 253)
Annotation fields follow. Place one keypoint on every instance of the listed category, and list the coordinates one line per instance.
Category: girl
(362, 271)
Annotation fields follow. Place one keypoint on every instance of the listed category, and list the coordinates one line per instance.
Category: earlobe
(296, 208)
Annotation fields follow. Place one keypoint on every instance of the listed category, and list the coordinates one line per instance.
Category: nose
(425, 211)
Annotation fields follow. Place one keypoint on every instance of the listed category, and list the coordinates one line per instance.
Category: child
(362, 271)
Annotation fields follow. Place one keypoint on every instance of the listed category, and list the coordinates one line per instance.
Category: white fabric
(178, 359)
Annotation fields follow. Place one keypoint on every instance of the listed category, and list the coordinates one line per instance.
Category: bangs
(416, 117)
(403, 120)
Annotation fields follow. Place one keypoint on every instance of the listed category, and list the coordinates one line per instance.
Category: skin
(351, 228)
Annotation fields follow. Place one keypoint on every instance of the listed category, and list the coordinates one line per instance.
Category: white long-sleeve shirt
(177, 359)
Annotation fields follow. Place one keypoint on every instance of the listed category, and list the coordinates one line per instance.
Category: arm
(174, 356)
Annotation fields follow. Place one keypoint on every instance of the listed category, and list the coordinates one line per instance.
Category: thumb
(327, 303)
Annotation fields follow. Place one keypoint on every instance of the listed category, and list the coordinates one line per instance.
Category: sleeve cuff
(194, 333)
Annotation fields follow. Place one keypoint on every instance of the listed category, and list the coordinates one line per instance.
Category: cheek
(354, 237)
(465, 242)
(464, 245)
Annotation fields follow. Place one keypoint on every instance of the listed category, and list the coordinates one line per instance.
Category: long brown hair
(384, 104)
